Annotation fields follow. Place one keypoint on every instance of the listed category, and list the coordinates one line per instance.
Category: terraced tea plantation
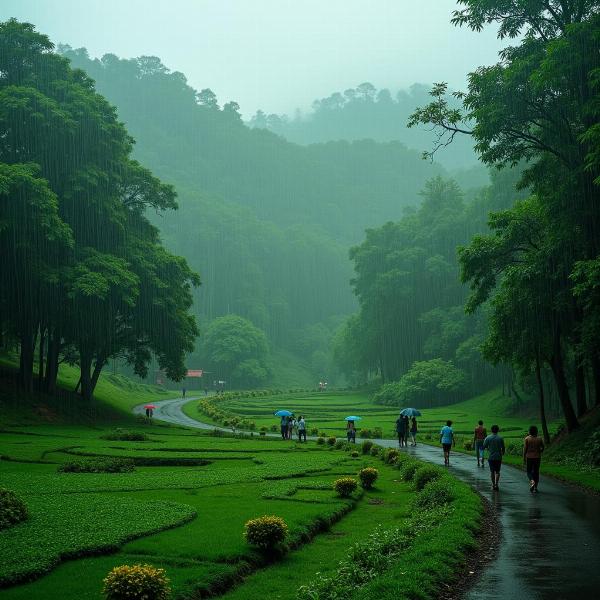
(178, 500)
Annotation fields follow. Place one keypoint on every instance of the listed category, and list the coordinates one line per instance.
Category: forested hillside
(267, 223)
(365, 112)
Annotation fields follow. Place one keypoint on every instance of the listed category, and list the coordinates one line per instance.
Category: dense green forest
(84, 275)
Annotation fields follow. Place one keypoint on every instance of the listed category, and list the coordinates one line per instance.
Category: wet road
(550, 547)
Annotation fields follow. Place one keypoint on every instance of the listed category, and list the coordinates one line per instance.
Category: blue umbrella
(410, 412)
(352, 418)
(283, 413)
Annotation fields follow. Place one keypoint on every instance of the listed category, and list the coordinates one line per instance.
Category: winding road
(550, 546)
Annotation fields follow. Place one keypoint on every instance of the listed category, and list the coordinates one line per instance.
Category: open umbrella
(410, 412)
(283, 413)
(150, 406)
(353, 418)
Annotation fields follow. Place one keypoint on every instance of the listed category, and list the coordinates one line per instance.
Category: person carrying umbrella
(149, 410)
(351, 428)
(401, 431)
(285, 416)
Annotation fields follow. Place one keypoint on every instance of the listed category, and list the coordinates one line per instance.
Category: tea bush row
(98, 465)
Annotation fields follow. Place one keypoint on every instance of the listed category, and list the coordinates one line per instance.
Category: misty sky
(273, 54)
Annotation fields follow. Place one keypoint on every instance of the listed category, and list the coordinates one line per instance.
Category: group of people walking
(290, 426)
(533, 446)
(406, 428)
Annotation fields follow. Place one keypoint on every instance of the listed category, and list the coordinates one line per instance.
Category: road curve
(550, 546)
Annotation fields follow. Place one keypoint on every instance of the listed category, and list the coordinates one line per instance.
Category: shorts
(495, 465)
(479, 447)
(446, 447)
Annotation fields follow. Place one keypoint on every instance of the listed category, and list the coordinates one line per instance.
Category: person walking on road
(532, 457)
(183, 393)
(284, 427)
(478, 436)
(290, 425)
(351, 432)
(301, 428)
(401, 431)
(494, 444)
(413, 431)
(447, 440)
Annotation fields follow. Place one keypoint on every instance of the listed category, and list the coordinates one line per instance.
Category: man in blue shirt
(447, 440)
(494, 444)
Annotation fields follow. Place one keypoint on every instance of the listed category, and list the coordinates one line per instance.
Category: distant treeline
(84, 276)
(364, 113)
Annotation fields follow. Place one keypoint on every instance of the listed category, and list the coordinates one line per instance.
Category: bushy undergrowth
(408, 469)
(266, 532)
(98, 465)
(126, 436)
(367, 477)
(423, 475)
(366, 447)
(345, 486)
(435, 493)
(331, 441)
(390, 455)
(137, 582)
(12, 509)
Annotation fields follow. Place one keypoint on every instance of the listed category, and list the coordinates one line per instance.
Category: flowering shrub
(265, 532)
(137, 582)
(12, 509)
(408, 470)
(365, 433)
(367, 477)
(354, 454)
(344, 486)
(314, 431)
(423, 475)
(375, 450)
(366, 446)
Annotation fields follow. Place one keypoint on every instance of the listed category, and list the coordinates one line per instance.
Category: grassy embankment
(326, 412)
(184, 507)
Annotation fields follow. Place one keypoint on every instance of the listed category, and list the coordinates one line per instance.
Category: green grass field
(326, 412)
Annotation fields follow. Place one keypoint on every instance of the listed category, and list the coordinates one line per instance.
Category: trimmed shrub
(344, 486)
(314, 431)
(409, 469)
(354, 454)
(468, 445)
(331, 441)
(265, 532)
(339, 444)
(367, 477)
(390, 456)
(321, 441)
(137, 582)
(12, 509)
(122, 435)
(435, 493)
(365, 433)
(423, 475)
(366, 447)
(378, 432)
(375, 450)
(98, 465)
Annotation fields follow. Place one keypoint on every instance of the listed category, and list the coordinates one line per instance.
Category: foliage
(375, 450)
(98, 465)
(367, 477)
(436, 492)
(366, 446)
(426, 383)
(137, 582)
(345, 486)
(423, 475)
(12, 509)
(265, 532)
(408, 470)
(126, 436)
(390, 455)
(321, 441)
(331, 441)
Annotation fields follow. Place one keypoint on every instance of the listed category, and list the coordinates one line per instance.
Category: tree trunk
(580, 391)
(52, 362)
(41, 357)
(27, 338)
(558, 370)
(538, 374)
(100, 362)
(85, 364)
(596, 377)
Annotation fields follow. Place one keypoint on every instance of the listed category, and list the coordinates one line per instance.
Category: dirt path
(550, 546)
